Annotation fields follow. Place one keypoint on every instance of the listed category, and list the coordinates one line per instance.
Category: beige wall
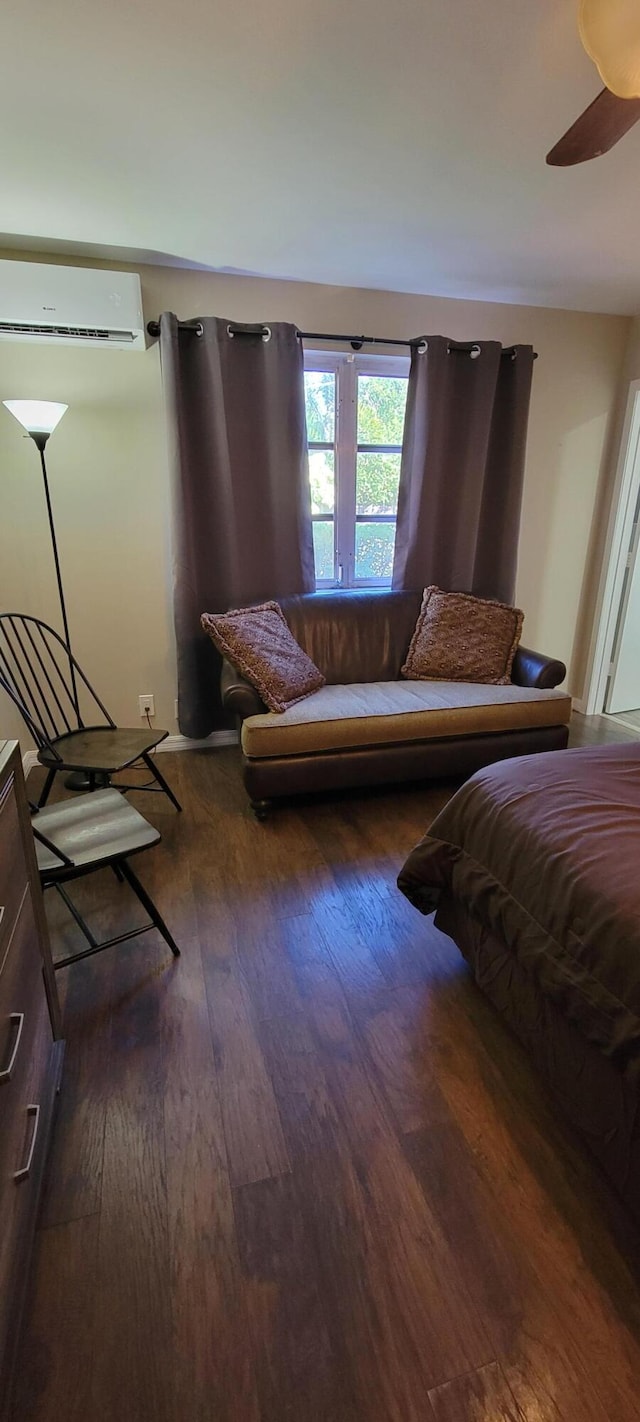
(109, 479)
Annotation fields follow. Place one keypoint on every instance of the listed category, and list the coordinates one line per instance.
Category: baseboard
(185, 743)
(619, 718)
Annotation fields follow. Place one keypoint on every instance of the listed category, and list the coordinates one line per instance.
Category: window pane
(377, 479)
(374, 550)
(320, 397)
(381, 402)
(323, 549)
(322, 478)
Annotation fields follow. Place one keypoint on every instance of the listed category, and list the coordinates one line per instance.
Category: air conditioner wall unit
(71, 306)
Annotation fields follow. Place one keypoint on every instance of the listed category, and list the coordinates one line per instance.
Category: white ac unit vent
(71, 306)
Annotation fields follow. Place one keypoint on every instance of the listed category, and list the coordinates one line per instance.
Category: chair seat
(91, 830)
(100, 748)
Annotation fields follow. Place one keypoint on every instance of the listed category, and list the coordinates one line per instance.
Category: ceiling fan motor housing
(610, 33)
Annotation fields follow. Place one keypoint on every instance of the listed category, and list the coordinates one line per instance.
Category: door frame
(623, 505)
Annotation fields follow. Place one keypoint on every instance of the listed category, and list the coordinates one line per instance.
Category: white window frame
(347, 367)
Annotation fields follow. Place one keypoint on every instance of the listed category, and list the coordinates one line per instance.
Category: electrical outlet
(146, 705)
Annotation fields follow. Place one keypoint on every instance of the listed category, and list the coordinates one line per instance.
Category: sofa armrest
(533, 669)
(238, 695)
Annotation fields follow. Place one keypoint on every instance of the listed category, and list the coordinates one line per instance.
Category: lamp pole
(40, 438)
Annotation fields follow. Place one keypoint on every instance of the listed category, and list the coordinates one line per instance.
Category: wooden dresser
(30, 1050)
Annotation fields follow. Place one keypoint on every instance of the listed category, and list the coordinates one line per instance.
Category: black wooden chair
(78, 836)
(59, 706)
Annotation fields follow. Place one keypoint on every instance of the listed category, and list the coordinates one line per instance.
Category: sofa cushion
(459, 637)
(258, 642)
(389, 712)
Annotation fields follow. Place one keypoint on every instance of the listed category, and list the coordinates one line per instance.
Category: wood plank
(74, 1173)
(53, 1377)
(384, 919)
(253, 1132)
(401, 821)
(133, 1372)
(398, 1310)
(471, 1218)
(213, 1372)
(343, 943)
(264, 969)
(360, 976)
(396, 1049)
(318, 983)
(307, 1113)
(362, 1133)
(483, 1396)
(295, 1365)
(597, 731)
(361, 1129)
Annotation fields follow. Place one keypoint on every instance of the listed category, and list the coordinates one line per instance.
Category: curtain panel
(242, 529)
(462, 467)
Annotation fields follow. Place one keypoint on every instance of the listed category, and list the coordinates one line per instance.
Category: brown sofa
(369, 726)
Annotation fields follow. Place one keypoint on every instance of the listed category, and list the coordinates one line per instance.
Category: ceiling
(396, 144)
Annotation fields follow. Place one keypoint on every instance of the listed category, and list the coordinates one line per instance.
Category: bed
(533, 868)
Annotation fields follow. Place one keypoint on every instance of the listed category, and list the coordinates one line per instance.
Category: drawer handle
(23, 1173)
(17, 1020)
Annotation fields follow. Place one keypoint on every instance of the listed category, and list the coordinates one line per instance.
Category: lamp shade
(610, 33)
(37, 416)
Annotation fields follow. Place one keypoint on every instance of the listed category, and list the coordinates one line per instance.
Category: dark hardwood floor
(305, 1172)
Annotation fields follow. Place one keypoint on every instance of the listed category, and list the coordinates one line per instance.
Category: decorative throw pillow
(258, 642)
(463, 638)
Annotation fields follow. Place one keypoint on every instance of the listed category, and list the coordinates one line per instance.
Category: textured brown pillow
(258, 642)
(463, 638)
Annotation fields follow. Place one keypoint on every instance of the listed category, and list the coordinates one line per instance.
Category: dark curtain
(241, 504)
(462, 467)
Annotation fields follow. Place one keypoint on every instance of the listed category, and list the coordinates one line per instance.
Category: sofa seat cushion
(387, 712)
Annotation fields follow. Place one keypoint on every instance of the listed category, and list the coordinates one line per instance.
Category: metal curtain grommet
(475, 352)
(199, 329)
(422, 348)
(266, 334)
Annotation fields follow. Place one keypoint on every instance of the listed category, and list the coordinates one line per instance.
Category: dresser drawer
(13, 868)
(20, 974)
(22, 1125)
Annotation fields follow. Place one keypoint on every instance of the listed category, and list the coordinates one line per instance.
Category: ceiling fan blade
(605, 121)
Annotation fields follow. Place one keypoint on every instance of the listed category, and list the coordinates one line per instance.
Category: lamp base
(81, 780)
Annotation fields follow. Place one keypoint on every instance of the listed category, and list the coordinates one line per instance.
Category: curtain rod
(356, 342)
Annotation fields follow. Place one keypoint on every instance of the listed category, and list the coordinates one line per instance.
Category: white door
(624, 684)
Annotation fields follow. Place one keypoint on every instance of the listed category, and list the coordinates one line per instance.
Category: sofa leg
(261, 809)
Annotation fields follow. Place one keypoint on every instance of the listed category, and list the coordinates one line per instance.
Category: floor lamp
(40, 418)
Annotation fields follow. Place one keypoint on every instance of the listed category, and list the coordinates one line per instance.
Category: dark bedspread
(545, 851)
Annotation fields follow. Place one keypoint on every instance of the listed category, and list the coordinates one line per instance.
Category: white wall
(109, 477)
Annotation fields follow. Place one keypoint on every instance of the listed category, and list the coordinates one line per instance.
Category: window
(355, 420)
